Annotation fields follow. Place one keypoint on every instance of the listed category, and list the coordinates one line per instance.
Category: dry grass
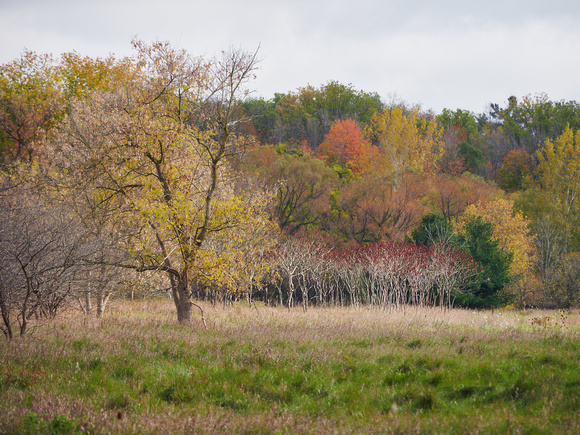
(331, 370)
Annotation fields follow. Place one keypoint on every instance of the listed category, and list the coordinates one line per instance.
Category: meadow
(270, 370)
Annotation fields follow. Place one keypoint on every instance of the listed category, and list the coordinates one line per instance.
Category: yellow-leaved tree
(238, 261)
(559, 183)
(405, 141)
(151, 154)
(552, 203)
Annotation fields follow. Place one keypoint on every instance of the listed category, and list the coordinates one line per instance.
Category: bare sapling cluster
(381, 275)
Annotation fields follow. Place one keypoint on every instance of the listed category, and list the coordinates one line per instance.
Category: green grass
(268, 370)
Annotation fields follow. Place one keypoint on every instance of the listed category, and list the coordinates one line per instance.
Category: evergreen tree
(486, 292)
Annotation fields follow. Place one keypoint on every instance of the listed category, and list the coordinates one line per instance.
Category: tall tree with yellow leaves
(406, 141)
(552, 203)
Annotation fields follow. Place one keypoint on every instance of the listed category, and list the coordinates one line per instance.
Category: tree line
(159, 170)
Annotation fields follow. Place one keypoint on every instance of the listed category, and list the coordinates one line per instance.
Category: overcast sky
(436, 53)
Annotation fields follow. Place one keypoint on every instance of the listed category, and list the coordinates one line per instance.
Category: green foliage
(448, 119)
(285, 149)
(301, 183)
(265, 119)
(531, 120)
(467, 128)
(59, 424)
(433, 228)
(487, 290)
(473, 158)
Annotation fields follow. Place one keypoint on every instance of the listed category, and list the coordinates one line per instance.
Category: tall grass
(267, 369)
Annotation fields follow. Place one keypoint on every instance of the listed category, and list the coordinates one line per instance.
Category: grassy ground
(268, 370)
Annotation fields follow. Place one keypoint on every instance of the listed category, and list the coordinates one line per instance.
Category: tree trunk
(290, 291)
(102, 299)
(88, 303)
(6, 319)
(183, 301)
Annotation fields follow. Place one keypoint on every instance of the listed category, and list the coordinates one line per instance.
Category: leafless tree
(42, 248)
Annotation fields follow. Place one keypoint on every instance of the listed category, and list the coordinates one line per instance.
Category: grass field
(268, 370)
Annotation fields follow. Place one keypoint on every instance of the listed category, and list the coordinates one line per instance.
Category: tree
(302, 186)
(307, 114)
(563, 290)
(559, 177)
(30, 104)
(265, 119)
(405, 142)
(451, 195)
(237, 261)
(517, 167)
(434, 228)
(460, 131)
(153, 154)
(533, 119)
(373, 208)
(80, 75)
(551, 203)
(554, 190)
(486, 292)
(345, 145)
(512, 231)
(43, 252)
(559, 270)
(452, 162)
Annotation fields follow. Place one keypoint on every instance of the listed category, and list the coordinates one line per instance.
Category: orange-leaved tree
(345, 145)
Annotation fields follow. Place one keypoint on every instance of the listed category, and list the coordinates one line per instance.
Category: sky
(455, 54)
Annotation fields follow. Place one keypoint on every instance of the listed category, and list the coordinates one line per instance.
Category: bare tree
(42, 251)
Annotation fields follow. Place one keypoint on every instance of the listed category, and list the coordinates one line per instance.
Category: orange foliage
(344, 144)
(372, 208)
(451, 195)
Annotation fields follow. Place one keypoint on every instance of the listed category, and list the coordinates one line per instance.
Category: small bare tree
(41, 252)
